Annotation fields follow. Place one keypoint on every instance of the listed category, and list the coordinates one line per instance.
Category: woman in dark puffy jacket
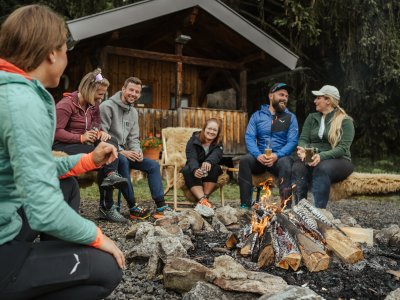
(204, 152)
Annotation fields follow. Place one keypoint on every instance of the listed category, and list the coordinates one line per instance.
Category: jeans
(320, 177)
(150, 167)
(249, 165)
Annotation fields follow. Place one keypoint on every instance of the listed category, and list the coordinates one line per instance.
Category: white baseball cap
(328, 90)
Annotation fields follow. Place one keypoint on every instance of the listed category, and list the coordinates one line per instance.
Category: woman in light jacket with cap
(327, 136)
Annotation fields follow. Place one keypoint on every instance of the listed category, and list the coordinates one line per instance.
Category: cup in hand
(310, 151)
(205, 173)
(268, 152)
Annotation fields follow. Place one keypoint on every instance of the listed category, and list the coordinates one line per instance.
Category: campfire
(288, 237)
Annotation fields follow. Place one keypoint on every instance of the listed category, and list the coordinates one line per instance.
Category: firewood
(231, 241)
(342, 245)
(291, 260)
(314, 256)
(266, 257)
(360, 235)
(247, 249)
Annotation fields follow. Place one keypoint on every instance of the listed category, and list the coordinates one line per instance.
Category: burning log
(312, 250)
(290, 237)
(266, 256)
(287, 254)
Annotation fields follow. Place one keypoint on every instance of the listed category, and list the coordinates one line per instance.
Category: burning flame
(265, 210)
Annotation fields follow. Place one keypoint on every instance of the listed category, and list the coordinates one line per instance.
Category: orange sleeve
(85, 164)
(99, 239)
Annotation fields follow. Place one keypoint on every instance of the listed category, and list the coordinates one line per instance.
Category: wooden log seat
(365, 184)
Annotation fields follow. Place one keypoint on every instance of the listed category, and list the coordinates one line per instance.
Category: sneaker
(205, 202)
(114, 180)
(160, 211)
(245, 206)
(138, 212)
(112, 215)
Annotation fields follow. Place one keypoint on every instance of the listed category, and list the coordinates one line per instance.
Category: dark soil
(365, 280)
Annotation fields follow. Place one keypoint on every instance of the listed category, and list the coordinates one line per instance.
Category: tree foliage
(354, 45)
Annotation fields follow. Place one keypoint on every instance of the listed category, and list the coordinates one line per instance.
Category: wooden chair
(173, 159)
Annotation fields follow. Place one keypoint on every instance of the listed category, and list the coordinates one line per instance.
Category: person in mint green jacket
(324, 148)
(33, 57)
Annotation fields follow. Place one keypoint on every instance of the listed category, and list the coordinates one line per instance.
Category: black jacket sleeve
(192, 155)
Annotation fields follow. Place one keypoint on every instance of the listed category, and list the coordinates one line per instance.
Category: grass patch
(142, 192)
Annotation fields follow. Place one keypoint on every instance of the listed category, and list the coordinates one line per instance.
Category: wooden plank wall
(233, 124)
(160, 75)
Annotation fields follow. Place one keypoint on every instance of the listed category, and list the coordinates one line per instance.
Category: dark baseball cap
(281, 86)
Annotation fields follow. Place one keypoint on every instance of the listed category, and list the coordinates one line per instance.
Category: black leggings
(56, 270)
(191, 180)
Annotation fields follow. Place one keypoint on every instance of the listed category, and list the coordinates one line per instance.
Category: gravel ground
(373, 212)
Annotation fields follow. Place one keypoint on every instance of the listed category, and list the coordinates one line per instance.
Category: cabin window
(147, 95)
(185, 100)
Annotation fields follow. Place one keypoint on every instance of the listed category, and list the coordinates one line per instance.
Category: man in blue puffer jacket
(275, 128)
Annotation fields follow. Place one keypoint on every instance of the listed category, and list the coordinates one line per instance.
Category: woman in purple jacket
(79, 126)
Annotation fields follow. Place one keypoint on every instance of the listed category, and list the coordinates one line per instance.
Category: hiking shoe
(112, 215)
(138, 212)
(160, 211)
(205, 202)
(245, 206)
(114, 180)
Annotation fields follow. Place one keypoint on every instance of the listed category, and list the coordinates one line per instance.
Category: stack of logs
(291, 236)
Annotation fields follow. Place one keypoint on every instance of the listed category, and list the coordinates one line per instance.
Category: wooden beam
(204, 62)
(179, 79)
(243, 90)
(253, 57)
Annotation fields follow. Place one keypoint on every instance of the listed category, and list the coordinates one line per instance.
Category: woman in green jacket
(324, 148)
(32, 57)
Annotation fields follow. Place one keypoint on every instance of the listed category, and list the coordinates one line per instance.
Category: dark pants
(49, 269)
(192, 181)
(320, 177)
(249, 165)
(56, 270)
(150, 167)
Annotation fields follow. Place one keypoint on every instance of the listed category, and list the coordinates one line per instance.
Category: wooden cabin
(194, 57)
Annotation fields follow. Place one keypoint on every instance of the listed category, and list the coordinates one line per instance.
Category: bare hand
(315, 160)
(206, 166)
(104, 154)
(132, 155)
(267, 160)
(198, 173)
(110, 247)
(301, 153)
(103, 136)
(89, 136)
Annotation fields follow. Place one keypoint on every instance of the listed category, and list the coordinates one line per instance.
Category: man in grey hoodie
(120, 119)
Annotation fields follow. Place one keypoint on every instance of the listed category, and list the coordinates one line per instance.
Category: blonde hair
(335, 131)
(90, 83)
(29, 34)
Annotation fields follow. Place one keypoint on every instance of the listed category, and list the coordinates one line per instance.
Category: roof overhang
(93, 25)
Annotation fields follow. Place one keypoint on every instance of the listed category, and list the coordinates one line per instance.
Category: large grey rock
(293, 292)
(227, 215)
(203, 290)
(204, 210)
(181, 274)
(383, 236)
(232, 276)
(394, 295)
(219, 226)
(193, 218)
